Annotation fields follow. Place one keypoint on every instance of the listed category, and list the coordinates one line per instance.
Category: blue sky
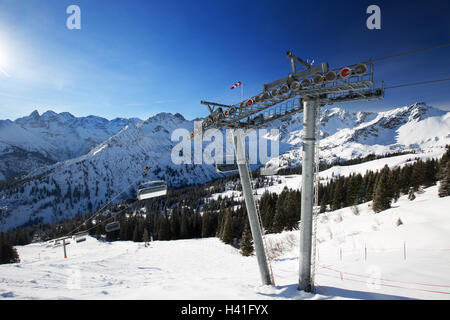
(137, 58)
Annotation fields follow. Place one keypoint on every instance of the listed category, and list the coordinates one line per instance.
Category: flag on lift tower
(237, 84)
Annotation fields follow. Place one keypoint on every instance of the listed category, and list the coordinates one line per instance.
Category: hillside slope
(209, 269)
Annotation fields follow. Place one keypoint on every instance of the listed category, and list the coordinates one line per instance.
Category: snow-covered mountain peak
(33, 115)
(162, 117)
(36, 139)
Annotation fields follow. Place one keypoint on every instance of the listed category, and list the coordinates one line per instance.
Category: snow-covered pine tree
(444, 175)
(381, 198)
(411, 195)
(246, 243)
(227, 235)
(146, 237)
(8, 254)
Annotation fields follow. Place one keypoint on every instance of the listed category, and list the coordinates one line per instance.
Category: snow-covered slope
(208, 269)
(400, 253)
(35, 140)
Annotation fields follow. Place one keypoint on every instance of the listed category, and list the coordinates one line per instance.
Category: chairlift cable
(410, 52)
(102, 208)
(110, 218)
(97, 213)
(417, 83)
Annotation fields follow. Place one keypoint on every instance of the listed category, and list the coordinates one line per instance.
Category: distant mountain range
(75, 165)
(30, 142)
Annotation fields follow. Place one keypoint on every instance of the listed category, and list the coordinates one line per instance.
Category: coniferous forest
(190, 212)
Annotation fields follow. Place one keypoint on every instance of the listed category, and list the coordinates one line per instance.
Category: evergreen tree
(371, 179)
(145, 236)
(417, 176)
(381, 199)
(394, 179)
(164, 228)
(353, 190)
(444, 174)
(123, 233)
(444, 181)
(323, 206)
(197, 224)
(175, 224)
(361, 192)
(8, 254)
(98, 232)
(280, 218)
(405, 179)
(411, 195)
(227, 235)
(338, 195)
(136, 237)
(431, 171)
(221, 223)
(184, 228)
(246, 243)
(206, 232)
(293, 206)
(267, 209)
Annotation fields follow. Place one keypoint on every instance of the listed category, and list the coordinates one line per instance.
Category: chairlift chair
(81, 234)
(268, 171)
(152, 189)
(112, 226)
(224, 168)
(78, 240)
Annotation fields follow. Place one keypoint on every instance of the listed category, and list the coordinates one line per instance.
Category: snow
(208, 269)
(429, 132)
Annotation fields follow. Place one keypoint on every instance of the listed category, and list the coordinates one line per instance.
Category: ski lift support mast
(301, 91)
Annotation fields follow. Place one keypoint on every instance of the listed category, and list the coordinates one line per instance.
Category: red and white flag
(237, 84)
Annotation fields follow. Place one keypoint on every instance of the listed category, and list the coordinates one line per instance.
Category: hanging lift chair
(151, 189)
(224, 168)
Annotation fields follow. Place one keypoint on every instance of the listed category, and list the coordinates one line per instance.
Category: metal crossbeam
(299, 75)
(243, 114)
